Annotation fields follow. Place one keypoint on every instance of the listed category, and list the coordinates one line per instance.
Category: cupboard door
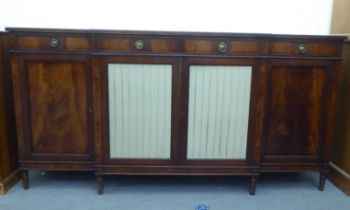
(219, 105)
(219, 98)
(296, 113)
(139, 98)
(140, 110)
(56, 92)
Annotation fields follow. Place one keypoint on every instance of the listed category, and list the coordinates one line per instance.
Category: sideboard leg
(100, 184)
(322, 180)
(25, 179)
(253, 185)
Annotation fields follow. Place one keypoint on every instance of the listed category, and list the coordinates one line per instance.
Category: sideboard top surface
(174, 43)
(172, 33)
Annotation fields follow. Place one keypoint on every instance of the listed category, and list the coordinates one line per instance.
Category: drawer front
(53, 42)
(223, 46)
(138, 44)
(304, 48)
(179, 45)
(175, 45)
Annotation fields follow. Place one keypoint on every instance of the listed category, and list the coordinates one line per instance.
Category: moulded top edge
(171, 33)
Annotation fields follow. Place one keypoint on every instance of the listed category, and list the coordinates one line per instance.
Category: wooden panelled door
(57, 122)
(297, 110)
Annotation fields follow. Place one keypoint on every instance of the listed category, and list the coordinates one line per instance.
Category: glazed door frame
(20, 77)
(254, 119)
(325, 115)
(101, 72)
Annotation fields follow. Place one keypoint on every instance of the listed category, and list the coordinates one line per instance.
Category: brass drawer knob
(222, 47)
(54, 43)
(139, 44)
(302, 49)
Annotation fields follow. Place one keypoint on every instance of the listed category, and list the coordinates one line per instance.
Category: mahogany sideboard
(173, 103)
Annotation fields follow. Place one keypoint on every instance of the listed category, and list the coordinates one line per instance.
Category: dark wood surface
(339, 180)
(8, 152)
(236, 46)
(180, 43)
(43, 42)
(61, 98)
(296, 109)
(177, 170)
(313, 48)
(299, 120)
(57, 92)
(341, 148)
(169, 33)
(58, 108)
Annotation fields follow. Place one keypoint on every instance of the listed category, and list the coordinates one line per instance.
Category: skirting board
(340, 178)
(8, 182)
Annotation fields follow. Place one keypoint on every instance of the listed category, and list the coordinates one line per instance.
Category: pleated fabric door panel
(140, 110)
(219, 98)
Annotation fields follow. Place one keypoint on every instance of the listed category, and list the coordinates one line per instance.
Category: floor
(75, 191)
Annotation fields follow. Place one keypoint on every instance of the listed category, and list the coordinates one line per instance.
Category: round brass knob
(54, 43)
(302, 49)
(222, 47)
(139, 44)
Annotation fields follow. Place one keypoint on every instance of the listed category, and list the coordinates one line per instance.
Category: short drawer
(223, 46)
(304, 48)
(137, 44)
(47, 42)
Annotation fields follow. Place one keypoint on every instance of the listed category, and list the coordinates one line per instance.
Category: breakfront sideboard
(173, 103)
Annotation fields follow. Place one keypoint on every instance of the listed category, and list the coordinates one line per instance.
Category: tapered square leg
(25, 179)
(322, 181)
(253, 185)
(100, 185)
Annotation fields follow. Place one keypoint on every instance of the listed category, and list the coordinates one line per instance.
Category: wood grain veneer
(340, 171)
(61, 87)
(8, 152)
